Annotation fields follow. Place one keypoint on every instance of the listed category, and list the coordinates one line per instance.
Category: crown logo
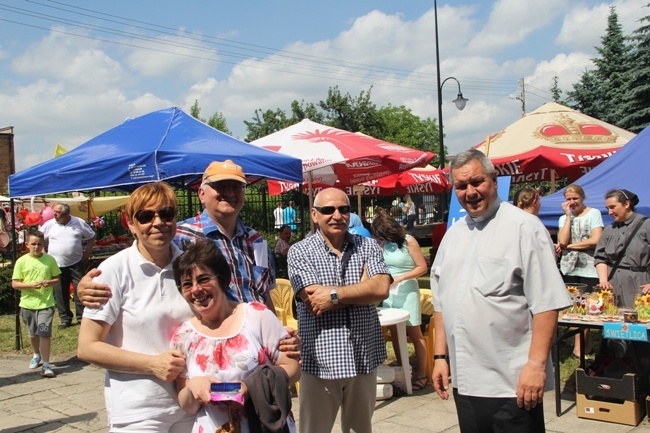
(567, 130)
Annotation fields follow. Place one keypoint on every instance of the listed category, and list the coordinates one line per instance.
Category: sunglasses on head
(166, 215)
(329, 210)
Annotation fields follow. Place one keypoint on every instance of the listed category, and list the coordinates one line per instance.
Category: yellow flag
(59, 150)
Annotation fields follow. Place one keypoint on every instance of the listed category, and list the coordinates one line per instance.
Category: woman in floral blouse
(225, 342)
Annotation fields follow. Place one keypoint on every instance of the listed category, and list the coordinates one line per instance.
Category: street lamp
(460, 102)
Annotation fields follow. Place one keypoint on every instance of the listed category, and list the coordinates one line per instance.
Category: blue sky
(71, 69)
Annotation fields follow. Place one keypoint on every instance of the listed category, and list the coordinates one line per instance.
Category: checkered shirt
(248, 282)
(341, 343)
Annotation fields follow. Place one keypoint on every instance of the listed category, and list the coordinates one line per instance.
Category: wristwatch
(334, 296)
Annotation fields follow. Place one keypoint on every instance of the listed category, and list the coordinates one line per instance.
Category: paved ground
(73, 402)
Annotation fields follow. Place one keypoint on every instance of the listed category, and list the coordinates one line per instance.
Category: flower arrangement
(642, 306)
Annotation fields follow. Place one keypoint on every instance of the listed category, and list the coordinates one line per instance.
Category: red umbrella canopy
(553, 137)
(419, 180)
(329, 154)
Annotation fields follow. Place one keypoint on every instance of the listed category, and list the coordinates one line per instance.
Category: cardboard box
(612, 400)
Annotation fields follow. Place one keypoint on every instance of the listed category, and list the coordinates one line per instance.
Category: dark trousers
(497, 415)
(69, 274)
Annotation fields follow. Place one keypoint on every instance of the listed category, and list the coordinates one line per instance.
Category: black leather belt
(633, 269)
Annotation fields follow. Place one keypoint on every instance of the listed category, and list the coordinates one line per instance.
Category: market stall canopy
(626, 169)
(167, 145)
(91, 207)
(329, 155)
(553, 137)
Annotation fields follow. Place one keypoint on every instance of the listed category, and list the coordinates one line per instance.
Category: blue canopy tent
(627, 169)
(167, 145)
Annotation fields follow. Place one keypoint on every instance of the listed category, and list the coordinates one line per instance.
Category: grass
(64, 341)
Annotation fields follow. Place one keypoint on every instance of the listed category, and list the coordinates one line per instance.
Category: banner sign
(625, 331)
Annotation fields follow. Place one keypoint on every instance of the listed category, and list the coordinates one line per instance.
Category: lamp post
(460, 102)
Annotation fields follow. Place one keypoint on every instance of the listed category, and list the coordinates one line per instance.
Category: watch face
(334, 296)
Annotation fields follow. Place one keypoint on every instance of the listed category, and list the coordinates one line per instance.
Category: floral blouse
(230, 359)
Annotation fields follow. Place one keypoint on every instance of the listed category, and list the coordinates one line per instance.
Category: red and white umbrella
(552, 138)
(329, 155)
(419, 180)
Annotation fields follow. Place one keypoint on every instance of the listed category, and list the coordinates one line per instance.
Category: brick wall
(7, 159)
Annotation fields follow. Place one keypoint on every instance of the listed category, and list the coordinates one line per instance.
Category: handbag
(627, 243)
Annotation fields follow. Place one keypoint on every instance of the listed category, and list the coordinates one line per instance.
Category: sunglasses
(224, 187)
(203, 281)
(329, 210)
(166, 215)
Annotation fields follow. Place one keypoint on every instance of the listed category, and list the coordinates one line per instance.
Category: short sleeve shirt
(340, 343)
(488, 279)
(581, 227)
(65, 240)
(30, 269)
(250, 281)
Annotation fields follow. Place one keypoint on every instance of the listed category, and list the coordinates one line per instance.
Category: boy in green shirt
(34, 275)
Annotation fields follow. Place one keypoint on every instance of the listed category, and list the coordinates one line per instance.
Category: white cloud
(189, 59)
(511, 21)
(78, 62)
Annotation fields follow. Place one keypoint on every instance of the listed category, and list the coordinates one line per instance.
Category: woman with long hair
(406, 263)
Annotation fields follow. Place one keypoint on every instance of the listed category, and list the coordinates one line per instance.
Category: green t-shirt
(30, 269)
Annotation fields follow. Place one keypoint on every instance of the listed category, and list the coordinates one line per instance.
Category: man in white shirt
(278, 215)
(496, 293)
(65, 235)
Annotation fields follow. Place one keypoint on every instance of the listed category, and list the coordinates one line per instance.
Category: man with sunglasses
(65, 235)
(337, 278)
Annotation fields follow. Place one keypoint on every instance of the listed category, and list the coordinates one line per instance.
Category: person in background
(405, 262)
(527, 199)
(337, 278)
(410, 213)
(496, 292)
(396, 210)
(284, 242)
(34, 275)
(579, 231)
(65, 235)
(278, 216)
(625, 271)
(289, 215)
(129, 335)
(228, 341)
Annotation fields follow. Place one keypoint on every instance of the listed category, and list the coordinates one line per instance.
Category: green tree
(358, 114)
(636, 106)
(265, 123)
(401, 126)
(217, 121)
(556, 91)
(195, 111)
(601, 90)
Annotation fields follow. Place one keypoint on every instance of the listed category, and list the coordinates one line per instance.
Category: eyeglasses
(222, 187)
(203, 281)
(329, 210)
(166, 215)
